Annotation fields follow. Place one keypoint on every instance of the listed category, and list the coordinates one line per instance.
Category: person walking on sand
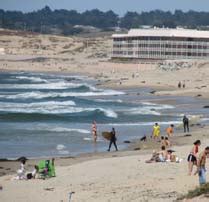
(94, 131)
(179, 84)
(192, 158)
(201, 165)
(156, 131)
(170, 130)
(113, 140)
(186, 124)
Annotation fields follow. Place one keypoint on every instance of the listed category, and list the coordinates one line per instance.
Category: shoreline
(107, 176)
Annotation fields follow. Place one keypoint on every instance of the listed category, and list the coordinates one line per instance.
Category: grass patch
(202, 190)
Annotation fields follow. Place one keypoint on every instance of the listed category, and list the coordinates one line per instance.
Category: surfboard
(106, 135)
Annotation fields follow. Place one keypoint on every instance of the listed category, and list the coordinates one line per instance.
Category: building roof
(163, 32)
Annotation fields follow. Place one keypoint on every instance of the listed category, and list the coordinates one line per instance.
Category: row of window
(130, 39)
(150, 53)
(161, 46)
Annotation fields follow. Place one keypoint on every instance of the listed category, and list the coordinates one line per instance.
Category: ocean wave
(49, 86)
(103, 100)
(31, 78)
(58, 129)
(62, 129)
(51, 108)
(35, 105)
(42, 95)
(60, 147)
(141, 110)
(158, 106)
(144, 123)
(63, 152)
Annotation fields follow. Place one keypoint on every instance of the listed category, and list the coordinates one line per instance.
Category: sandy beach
(116, 176)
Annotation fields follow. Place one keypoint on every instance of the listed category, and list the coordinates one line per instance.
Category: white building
(161, 44)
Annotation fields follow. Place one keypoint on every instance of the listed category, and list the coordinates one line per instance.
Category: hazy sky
(119, 6)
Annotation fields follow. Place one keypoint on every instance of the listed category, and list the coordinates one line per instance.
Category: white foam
(141, 110)
(41, 95)
(63, 152)
(43, 127)
(51, 107)
(31, 78)
(103, 100)
(109, 113)
(144, 123)
(60, 147)
(51, 86)
(61, 129)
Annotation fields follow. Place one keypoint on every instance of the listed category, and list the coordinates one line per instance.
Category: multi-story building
(161, 44)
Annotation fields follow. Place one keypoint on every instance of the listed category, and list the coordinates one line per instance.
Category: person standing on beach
(201, 165)
(186, 124)
(179, 84)
(192, 158)
(94, 131)
(113, 140)
(156, 131)
(169, 130)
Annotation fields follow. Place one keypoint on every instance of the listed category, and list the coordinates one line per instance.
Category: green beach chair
(46, 169)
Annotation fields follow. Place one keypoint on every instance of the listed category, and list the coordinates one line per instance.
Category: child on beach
(21, 171)
(33, 174)
(192, 158)
(170, 130)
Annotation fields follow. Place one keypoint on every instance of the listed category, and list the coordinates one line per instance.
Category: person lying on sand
(158, 156)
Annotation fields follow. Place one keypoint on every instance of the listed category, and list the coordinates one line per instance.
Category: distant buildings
(161, 44)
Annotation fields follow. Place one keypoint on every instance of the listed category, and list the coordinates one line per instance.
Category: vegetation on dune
(199, 191)
(63, 21)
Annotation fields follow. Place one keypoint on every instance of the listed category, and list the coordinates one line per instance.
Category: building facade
(161, 44)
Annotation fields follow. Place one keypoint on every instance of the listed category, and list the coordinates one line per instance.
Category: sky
(118, 6)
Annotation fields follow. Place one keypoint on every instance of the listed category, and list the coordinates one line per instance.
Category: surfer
(94, 131)
(113, 140)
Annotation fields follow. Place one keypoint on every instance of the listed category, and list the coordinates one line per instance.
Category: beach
(114, 176)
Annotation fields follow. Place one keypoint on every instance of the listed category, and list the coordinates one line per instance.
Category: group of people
(198, 159)
(113, 138)
(45, 168)
(181, 84)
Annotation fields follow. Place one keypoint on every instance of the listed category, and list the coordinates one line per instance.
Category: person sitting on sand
(162, 141)
(156, 131)
(172, 157)
(192, 158)
(167, 142)
(33, 174)
(158, 156)
(94, 131)
(170, 130)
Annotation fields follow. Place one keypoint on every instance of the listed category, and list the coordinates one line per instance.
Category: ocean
(44, 115)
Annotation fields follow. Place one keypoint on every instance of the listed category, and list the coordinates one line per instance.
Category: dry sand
(122, 176)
